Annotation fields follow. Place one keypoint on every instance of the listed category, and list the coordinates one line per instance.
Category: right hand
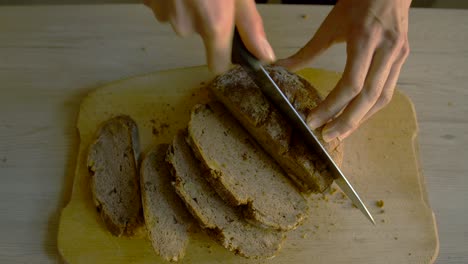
(214, 21)
(376, 36)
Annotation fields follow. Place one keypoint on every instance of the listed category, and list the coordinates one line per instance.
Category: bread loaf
(271, 130)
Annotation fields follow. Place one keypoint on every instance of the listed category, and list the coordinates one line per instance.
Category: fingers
(214, 22)
(216, 29)
(389, 88)
(181, 18)
(359, 58)
(352, 115)
(385, 95)
(250, 26)
(177, 12)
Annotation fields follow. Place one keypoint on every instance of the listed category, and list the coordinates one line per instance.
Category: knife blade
(256, 71)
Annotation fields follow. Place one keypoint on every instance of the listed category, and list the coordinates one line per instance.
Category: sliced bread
(112, 163)
(219, 219)
(166, 218)
(241, 172)
(266, 124)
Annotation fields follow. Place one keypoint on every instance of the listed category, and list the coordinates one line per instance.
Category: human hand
(376, 36)
(214, 21)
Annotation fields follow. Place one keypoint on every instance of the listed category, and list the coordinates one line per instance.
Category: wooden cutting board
(381, 160)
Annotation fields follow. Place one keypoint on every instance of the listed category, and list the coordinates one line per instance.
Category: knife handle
(240, 54)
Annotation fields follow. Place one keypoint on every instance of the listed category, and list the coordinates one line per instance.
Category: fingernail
(268, 51)
(313, 122)
(329, 134)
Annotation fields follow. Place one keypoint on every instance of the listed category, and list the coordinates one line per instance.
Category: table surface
(51, 56)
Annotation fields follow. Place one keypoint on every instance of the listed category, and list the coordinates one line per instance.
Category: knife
(256, 71)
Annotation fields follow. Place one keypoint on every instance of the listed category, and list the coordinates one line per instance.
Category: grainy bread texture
(266, 124)
(112, 163)
(241, 172)
(166, 218)
(224, 222)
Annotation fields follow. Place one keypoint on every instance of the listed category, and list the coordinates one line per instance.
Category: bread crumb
(382, 211)
(409, 254)
(380, 203)
(324, 197)
(354, 205)
(304, 235)
(449, 103)
(383, 220)
(164, 125)
(244, 156)
(155, 132)
(316, 226)
(159, 129)
(304, 16)
(333, 190)
(396, 238)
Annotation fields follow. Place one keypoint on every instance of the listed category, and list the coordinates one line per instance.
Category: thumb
(325, 36)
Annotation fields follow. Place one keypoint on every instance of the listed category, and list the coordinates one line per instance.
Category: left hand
(376, 36)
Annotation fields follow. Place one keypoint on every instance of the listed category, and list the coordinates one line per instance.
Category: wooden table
(51, 56)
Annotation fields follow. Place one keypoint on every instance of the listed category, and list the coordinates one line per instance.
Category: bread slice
(241, 172)
(224, 222)
(112, 163)
(166, 218)
(266, 124)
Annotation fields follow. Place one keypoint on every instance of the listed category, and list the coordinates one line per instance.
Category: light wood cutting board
(381, 160)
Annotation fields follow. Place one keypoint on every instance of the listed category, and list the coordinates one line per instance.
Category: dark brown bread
(166, 218)
(112, 163)
(219, 219)
(241, 172)
(266, 124)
